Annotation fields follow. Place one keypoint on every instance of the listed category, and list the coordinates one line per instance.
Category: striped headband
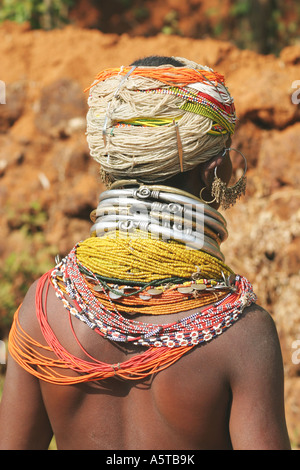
(203, 91)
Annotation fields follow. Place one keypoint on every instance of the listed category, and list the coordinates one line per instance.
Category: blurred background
(265, 26)
(50, 52)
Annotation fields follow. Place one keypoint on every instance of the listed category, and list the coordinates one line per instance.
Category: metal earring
(203, 200)
(225, 195)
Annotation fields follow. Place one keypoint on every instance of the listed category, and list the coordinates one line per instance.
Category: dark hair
(156, 61)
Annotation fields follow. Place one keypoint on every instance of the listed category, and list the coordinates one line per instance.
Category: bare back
(207, 400)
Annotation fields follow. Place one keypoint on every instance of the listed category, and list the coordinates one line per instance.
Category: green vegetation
(262, 25)
(45, 14)
(171, 23)
(31, 258)
(265, 26)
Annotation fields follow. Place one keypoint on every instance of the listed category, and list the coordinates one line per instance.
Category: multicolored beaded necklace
(150, 277)
(191, 330)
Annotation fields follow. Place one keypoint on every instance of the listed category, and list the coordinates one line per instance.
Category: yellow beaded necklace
(147, 259)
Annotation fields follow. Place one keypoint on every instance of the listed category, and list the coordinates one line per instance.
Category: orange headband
(169, 75)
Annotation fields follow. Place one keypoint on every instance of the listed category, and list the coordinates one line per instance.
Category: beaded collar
(108, 322)
(105, 281)
(100, 301)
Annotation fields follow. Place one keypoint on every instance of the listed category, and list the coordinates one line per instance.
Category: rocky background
(49, 185)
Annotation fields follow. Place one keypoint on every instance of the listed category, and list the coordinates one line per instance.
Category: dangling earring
(227, 196)
(203, 200)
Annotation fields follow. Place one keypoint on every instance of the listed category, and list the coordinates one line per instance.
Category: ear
(207, 170)
(223, 163)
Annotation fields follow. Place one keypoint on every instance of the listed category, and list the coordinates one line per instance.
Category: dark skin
(227, 394)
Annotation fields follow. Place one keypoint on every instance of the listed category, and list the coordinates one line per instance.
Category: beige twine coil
(149, 154)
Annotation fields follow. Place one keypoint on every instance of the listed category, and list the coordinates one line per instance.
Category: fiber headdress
(151, 123)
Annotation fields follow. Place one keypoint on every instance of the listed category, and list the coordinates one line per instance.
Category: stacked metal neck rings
(162, 212)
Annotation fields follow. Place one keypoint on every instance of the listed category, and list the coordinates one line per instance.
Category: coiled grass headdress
(151, 123)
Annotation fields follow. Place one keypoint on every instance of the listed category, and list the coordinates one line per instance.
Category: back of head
(158, 117)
